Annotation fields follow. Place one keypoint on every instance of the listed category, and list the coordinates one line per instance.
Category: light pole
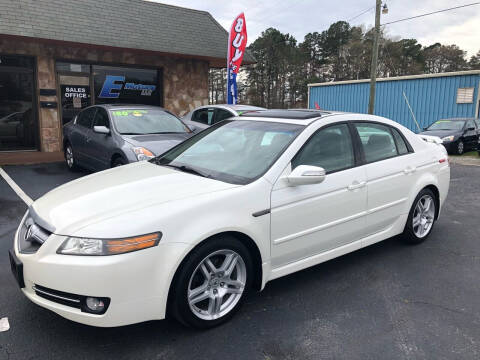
(373, 67)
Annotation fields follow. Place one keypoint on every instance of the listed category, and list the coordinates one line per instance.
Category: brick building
(57, 57)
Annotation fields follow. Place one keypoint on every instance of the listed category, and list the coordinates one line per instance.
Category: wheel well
(115, 157)
(252, 249)
(435, 191)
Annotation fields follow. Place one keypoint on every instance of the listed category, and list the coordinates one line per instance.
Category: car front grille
(31, 236)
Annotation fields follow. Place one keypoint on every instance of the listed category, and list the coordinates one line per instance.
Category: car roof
(236, 107)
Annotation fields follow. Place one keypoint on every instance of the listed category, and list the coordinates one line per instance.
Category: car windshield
(447, 125)
(236, 152)
(146, 121)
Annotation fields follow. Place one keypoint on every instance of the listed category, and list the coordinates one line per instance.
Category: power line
(431, 13)
(363, 12)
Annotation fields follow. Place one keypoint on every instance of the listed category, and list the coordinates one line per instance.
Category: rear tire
(211, 283)
(69, 158)
(421, 218)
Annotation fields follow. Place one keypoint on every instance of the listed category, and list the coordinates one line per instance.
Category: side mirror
(192, 127)
(306, 174)
(425, 128)
(101, 130)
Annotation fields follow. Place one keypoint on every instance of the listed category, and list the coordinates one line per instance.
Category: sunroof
(298, 114)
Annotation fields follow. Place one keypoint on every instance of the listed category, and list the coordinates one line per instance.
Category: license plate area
(17, 269)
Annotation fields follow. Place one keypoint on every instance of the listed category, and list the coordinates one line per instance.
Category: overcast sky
(460, 27)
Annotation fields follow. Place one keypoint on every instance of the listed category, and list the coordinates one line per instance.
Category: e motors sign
(113, 86)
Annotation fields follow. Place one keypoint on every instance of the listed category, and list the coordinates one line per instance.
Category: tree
(474, 62)
(444, 58)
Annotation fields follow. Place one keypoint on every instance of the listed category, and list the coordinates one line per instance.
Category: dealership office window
(18, 121)
(126, 85)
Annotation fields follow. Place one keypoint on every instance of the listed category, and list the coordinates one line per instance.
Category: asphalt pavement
(388, 301)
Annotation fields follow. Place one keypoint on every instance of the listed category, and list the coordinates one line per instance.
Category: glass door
(18, 120)
(75, 95)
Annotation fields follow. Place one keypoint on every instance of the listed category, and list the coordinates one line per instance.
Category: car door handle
(356, 185)
(409, 170)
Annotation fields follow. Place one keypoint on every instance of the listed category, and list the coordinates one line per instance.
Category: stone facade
(185, 80)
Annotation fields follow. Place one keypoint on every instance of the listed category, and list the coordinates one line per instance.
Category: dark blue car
(105, 136)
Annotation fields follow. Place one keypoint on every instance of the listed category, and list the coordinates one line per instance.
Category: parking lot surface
(388, 301)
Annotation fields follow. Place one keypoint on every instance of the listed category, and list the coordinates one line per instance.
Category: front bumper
(451, 146)
(136, 283)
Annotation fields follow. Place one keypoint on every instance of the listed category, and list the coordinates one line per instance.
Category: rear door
(80, 134)
(310, 219)
(391, 171)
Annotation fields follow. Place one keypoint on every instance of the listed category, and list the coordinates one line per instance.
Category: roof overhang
(214, 62)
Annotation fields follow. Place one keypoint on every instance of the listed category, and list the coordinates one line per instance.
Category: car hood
(442, 133)
(117, 191)
(157, 143)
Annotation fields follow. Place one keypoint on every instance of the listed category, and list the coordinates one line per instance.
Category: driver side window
(330, 148)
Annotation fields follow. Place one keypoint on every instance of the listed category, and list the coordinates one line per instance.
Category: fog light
(95, 305)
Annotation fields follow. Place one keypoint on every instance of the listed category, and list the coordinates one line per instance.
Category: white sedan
(249, 200)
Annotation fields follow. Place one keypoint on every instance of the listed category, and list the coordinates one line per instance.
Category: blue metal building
(431, 97)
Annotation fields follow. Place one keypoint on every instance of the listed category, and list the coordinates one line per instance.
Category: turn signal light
(132, 244)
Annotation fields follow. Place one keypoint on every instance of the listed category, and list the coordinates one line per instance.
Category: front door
(311, 219)
(75, 95)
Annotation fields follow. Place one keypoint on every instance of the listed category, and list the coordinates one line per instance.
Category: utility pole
(373, 67)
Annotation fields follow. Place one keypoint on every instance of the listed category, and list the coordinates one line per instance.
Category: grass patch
(472, 154)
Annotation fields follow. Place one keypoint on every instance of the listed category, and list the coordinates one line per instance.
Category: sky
(460, 27)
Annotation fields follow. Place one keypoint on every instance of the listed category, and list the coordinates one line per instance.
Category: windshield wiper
(188, 169)
(130, 133)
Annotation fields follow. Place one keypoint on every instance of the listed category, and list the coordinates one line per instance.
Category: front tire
(421, 218)
(118, 162)
(460, 147)
(211, 284)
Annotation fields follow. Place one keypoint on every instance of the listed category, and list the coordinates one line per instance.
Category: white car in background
(205, 116)
(244, 202)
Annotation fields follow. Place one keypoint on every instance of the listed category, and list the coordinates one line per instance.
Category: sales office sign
(75, 92)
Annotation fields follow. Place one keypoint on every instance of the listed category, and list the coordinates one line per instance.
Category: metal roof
(407, 77)
(127, 24)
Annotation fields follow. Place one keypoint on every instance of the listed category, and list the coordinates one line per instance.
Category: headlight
(448, 138)
(96, 247)
(142, 153)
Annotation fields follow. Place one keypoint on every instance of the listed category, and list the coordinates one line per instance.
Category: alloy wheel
(423, 216)
(217, 284)
(69, 156)
(460, 148)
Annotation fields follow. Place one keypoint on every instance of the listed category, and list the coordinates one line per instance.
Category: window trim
(356, 153)
(360, 144)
